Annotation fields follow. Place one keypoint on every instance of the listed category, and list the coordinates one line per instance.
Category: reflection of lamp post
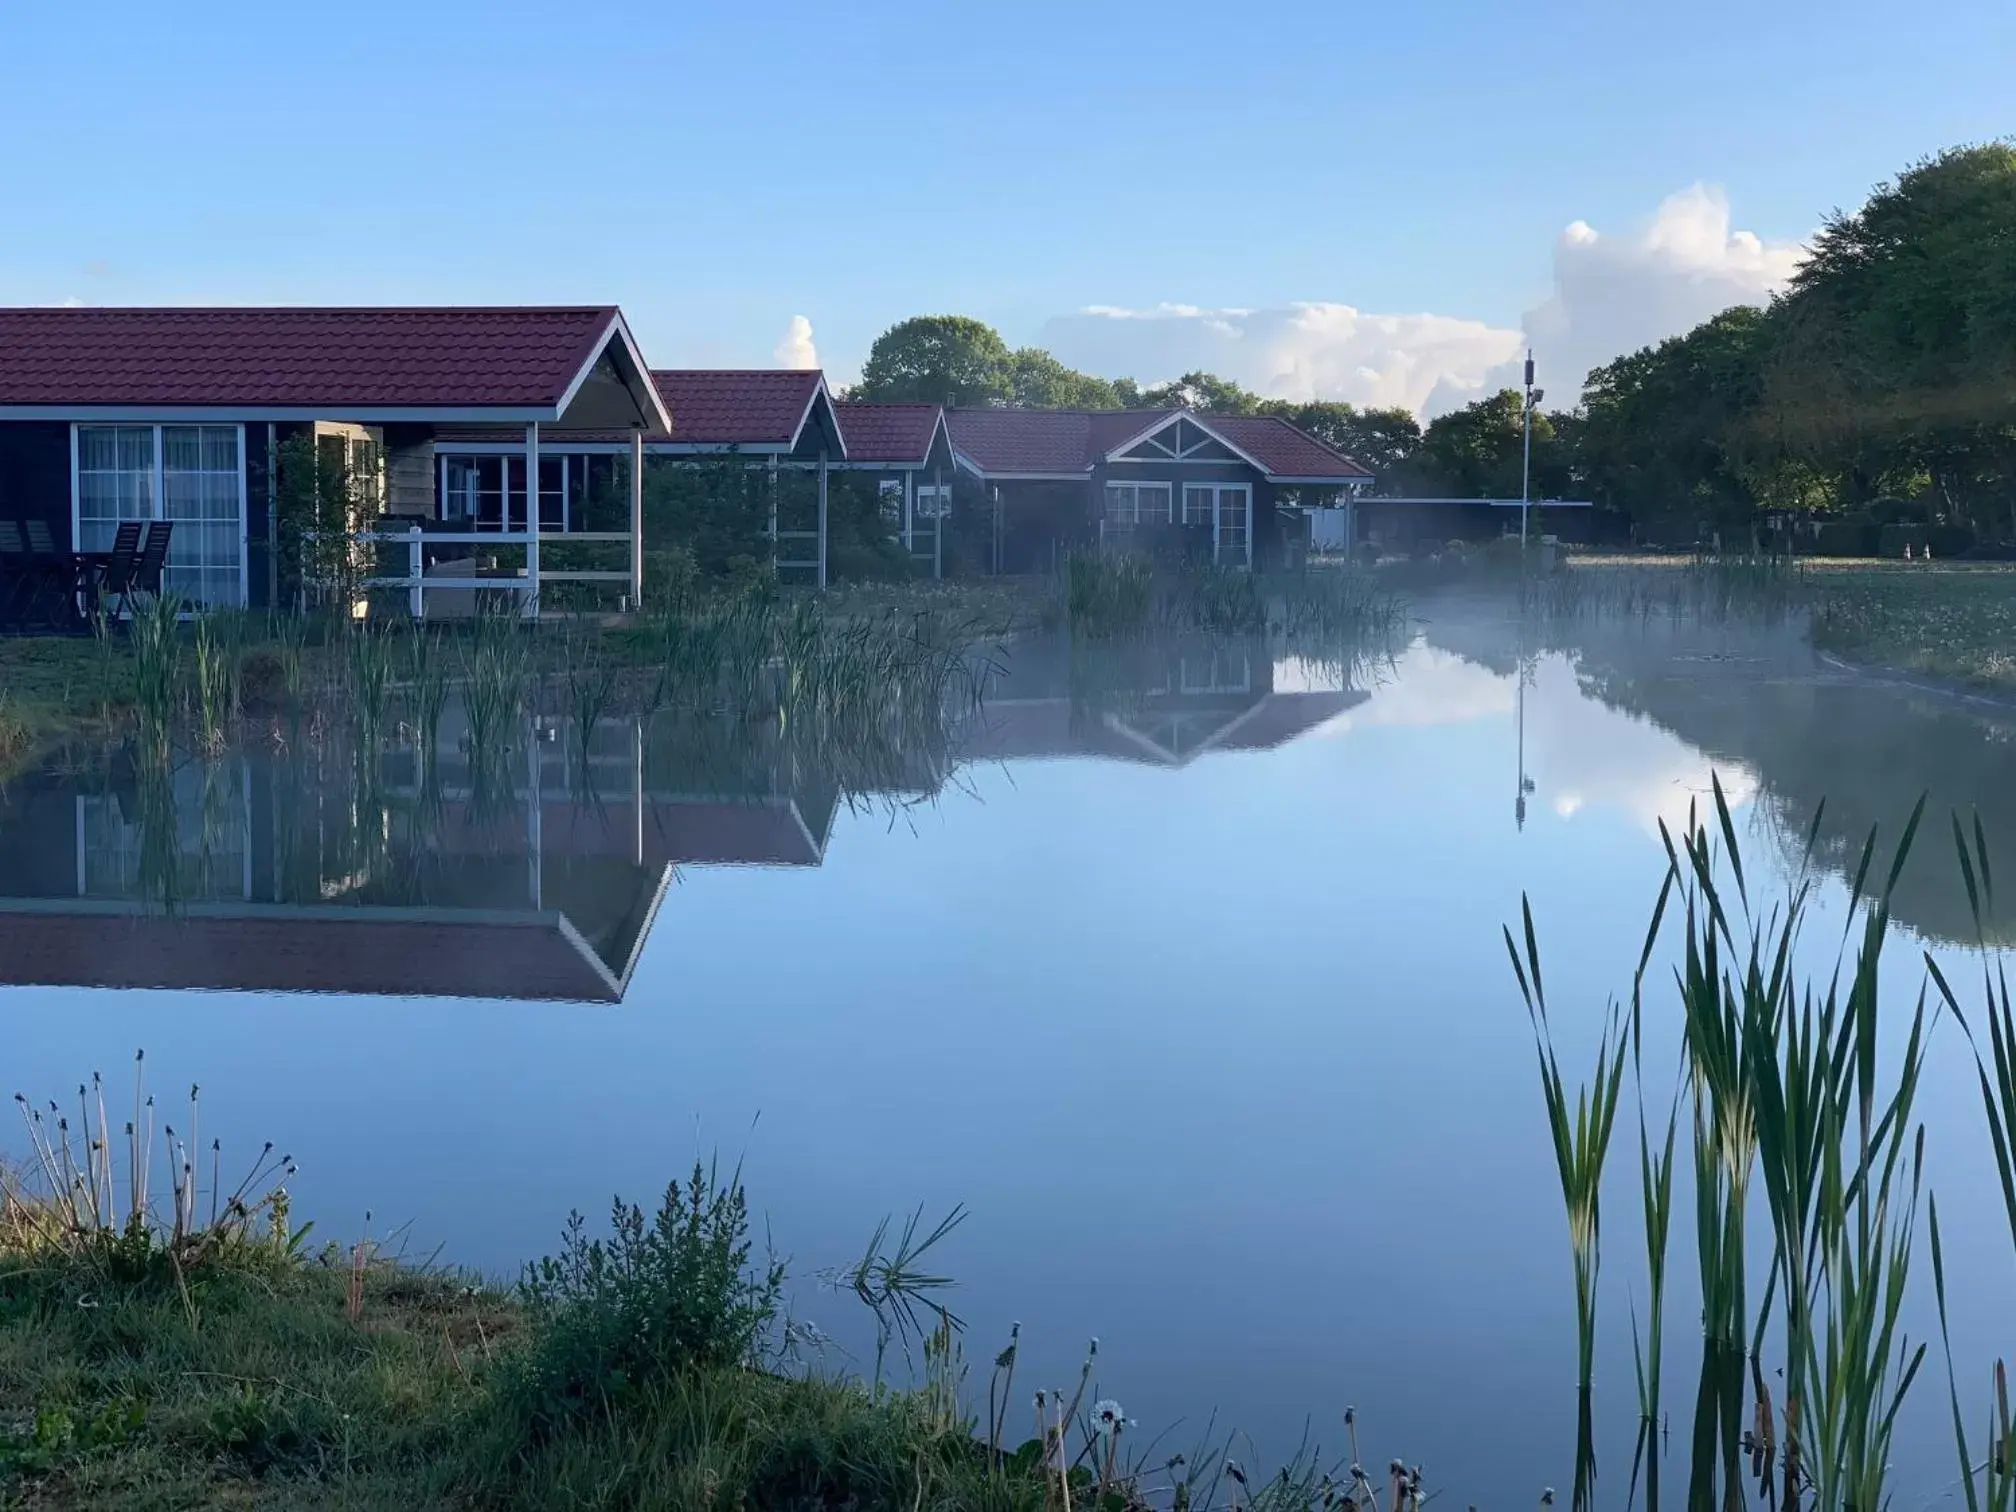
(1526, 460)
(1525, 782)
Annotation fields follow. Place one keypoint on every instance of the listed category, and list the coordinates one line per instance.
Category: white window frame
(1218, 491)
(158, 502)
(1135, 488)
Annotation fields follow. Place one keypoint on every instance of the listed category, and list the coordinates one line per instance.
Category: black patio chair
(38, 573)
(57, 571)
(153, 556)
(16, 576)
(115, 583)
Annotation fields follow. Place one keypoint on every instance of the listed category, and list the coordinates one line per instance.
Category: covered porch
(293, 450)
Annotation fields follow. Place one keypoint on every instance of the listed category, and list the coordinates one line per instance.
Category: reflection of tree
(1757, 696)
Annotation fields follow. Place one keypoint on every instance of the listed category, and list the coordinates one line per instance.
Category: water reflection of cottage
(1164, 701)
(536, 877)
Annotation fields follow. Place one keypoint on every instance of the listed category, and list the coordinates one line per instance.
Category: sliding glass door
(1227, 508)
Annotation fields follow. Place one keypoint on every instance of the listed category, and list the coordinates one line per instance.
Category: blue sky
(720, 169)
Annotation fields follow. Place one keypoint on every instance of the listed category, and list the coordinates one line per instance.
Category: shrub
(659, 1298)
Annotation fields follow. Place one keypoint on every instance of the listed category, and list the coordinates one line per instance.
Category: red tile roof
(735, 407)
(888, 432)
(1284, 450)
(1024, 441)
(1009, 441)
(334, 359)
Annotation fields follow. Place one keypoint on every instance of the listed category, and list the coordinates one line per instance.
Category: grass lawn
(143, 1369)
(1952, 621)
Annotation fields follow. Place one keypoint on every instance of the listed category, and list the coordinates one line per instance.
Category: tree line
(1879, 386)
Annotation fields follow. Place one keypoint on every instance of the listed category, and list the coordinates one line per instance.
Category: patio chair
(16, 575)
(38, 574)
(58, 572)
(153, 555)
(115, 585)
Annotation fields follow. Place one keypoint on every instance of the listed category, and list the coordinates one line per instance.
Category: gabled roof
(1283, 450)
(893, 433)
(714, 407)
(1009, 443)
(520, 362)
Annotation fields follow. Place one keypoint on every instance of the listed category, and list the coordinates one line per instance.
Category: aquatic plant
(370, 659)
(1989, 1483)
(1108, 593)
(427, 688)
(288, 634)
(76, 1202)
(218, 642)
(1581, 1131)
(157, 650)
(494, 688)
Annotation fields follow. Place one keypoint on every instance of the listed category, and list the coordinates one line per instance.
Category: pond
(1178, 967)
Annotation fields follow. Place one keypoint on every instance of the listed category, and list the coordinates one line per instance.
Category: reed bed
(1792, 1092)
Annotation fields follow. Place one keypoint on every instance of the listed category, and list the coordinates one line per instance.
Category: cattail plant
(1581, 1131)
(1990, 1482)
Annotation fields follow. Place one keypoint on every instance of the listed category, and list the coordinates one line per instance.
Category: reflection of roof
(888, 432)
(276, 948)
(339, 359)
(1052, 727)
(1008, 442)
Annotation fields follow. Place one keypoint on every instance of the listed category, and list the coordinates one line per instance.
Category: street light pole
(1526, 462)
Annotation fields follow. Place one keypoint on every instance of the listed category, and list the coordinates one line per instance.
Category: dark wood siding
(35, 473)
(259, 461)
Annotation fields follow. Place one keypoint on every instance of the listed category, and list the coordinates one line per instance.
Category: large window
(1137, 503)
(489, 491)
(193, 475)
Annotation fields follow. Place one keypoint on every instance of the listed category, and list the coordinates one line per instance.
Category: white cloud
(1614, 294)
(1609, 294)
(795, 349)
(1299, 351)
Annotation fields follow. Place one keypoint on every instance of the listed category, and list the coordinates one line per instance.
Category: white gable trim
(819, 391)
(615, 330)
(1161, 425)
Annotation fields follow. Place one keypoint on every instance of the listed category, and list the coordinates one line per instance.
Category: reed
(1991, 1483)
(371, 656)
(288, 634)
(218, 648)
(157, 674)
(493, 685)
(1108, 593)
(1581, 1131)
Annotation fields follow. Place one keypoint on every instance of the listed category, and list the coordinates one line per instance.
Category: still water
(1180, 969)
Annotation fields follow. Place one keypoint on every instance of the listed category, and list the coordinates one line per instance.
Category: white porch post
(637, 519)
(941, 511)
(416, 596)
(822, 517)
(909, 512)
(532, 520)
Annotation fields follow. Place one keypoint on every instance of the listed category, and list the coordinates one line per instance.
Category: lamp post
(1526, 461)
